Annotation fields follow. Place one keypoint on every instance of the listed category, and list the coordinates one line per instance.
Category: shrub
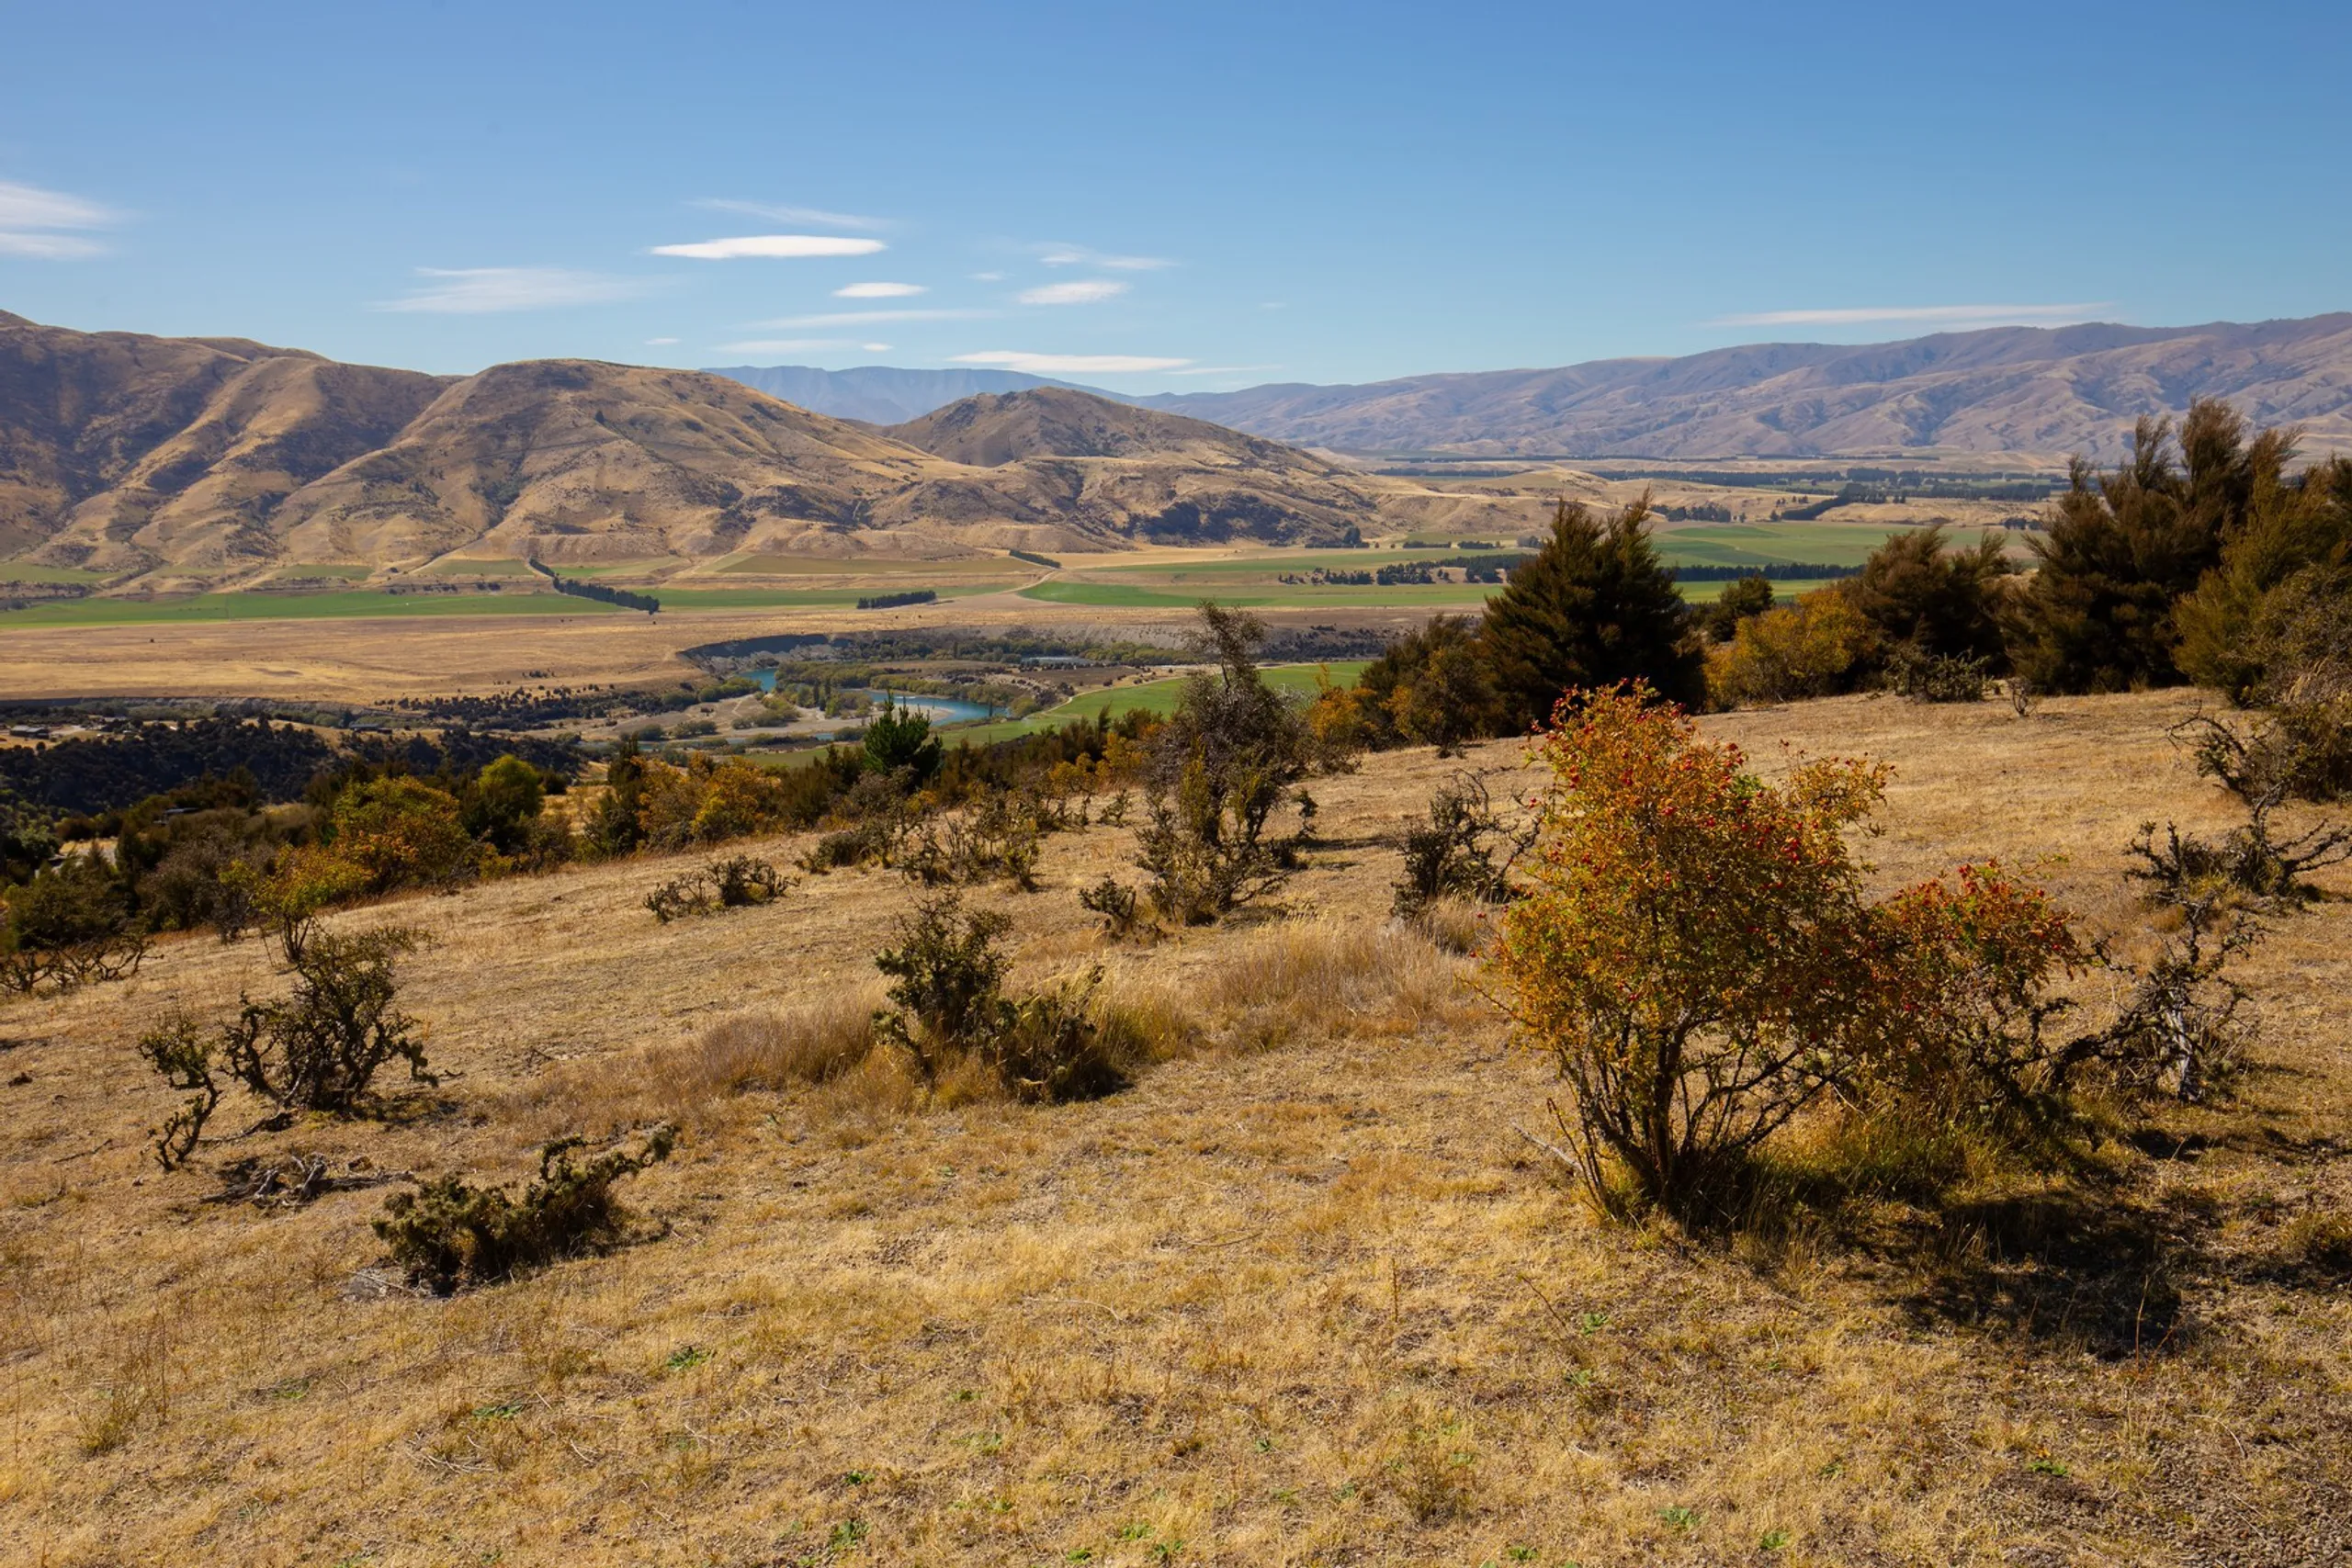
(1117, 903)
(1919, 593)
(502, 805)
(2301, 749)
(1454, 852)
(901, 738)
(948, 991)
(2123, 548)
(68, 926)
(1051, 1047)
(288, 897)
(1935, 677)
(730, 884)
(400, 832)
(1002, 836)
(948, 978)
(321, 1047)
(1688, 945)
(1431, 687)
(449, 1234)
(317, 1049)
(1228, 758)
(1808, 649)
(2279, 605)
(179, 1049)
(1743, 598)
(1695, 951)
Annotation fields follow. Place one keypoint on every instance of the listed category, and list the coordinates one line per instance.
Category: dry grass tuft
(694, 1084)
(1331, 979)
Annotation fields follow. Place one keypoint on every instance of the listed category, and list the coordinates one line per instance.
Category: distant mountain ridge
(883, 394)
(175, 463)
(2048, 391)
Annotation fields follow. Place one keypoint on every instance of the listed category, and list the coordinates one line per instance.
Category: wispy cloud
(1080, 291)
(483, 291)
(45, 224)
(987, 277)
(660, 342)
(1971, 315)
(1223, 369)
(879, 291)
(781, 214)
(772, 246)
(1069, 364)
(873, 317)
(874, 348)
(1080, 255)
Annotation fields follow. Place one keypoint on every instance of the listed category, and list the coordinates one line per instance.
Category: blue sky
(1159, 197)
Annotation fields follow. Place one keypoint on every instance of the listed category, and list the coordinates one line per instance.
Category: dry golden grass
(1299, 1296)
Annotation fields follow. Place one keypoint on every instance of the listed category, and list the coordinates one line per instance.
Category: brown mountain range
(172, 462)
(2038, 392)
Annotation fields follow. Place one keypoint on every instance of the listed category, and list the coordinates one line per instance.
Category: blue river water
(942, 710)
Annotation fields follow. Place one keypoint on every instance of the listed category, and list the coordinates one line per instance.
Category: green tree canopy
(2124, 549)
(1940, 598)
(1594, 607)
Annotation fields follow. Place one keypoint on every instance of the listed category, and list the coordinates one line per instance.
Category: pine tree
(2125, 548)
(1594, 607)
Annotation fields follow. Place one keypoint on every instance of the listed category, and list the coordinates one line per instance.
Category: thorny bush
(317, 1049)
(1453, 853)
(449, 1234)
(1228, 759)
(730, 884)
(948, 993)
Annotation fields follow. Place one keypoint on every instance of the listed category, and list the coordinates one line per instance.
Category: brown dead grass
(1300, 1296)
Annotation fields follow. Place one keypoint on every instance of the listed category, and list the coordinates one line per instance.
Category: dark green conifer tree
(1592, 608)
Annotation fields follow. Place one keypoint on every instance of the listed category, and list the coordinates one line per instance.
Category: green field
(1151, 696)
(358, 603)
(1279, 594)
(1271, 565)
(1783, 589)
(321, 572)
(1770, 544)
(493, 566)
(765, 598)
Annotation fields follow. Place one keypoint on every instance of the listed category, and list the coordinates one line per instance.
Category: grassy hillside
(1301, 1295)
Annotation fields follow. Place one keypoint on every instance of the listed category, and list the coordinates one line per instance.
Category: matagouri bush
(1229, 759)
(449, 1234)
(948, 1006)
(317, 1049)
(732, 881)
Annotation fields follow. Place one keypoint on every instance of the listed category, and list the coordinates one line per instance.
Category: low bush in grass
(449, 1234)
(68, 926)
(948, 1006)
(733, 883)
(319, 1048)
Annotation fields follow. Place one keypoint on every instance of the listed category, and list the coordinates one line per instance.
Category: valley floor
(1301, 1295)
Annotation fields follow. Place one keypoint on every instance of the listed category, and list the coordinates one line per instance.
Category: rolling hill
(2045, 392)
(168, 463)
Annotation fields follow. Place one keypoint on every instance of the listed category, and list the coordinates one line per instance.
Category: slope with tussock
(1301, 1295)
